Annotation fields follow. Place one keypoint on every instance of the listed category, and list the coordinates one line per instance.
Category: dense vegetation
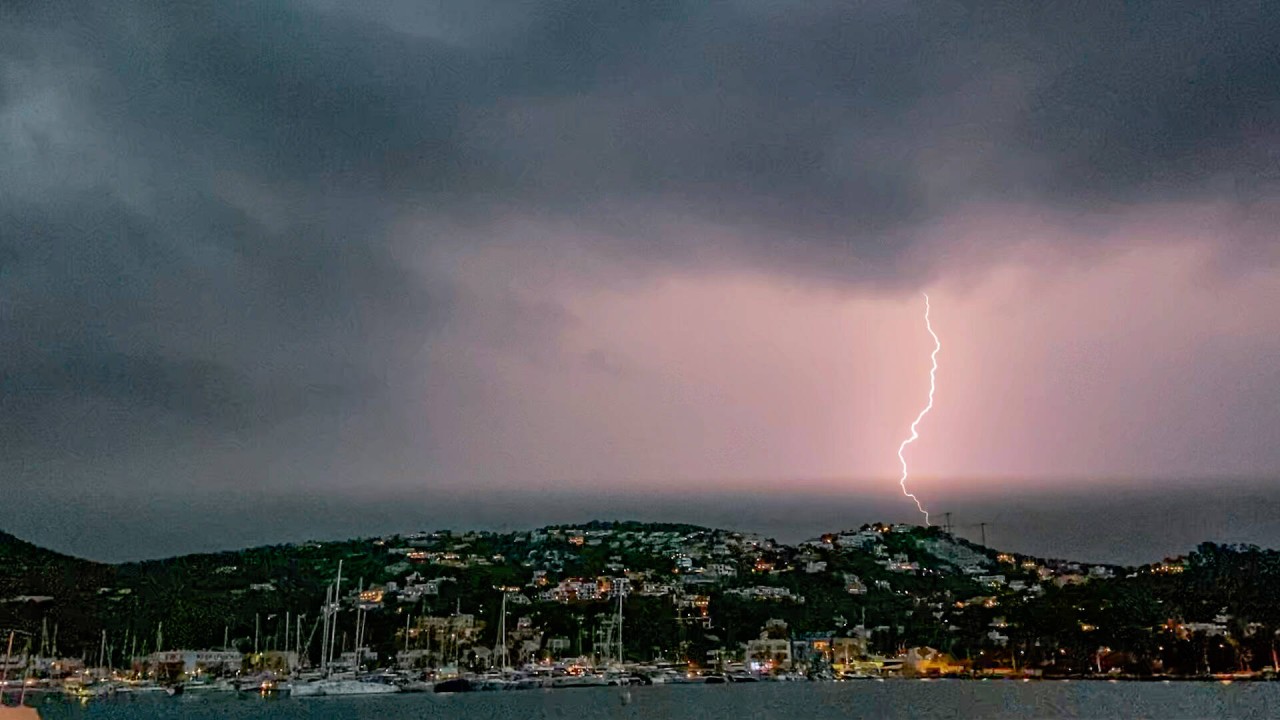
(1217, 610)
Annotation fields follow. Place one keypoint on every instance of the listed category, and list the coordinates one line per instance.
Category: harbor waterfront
(625, 604)
(883, 700)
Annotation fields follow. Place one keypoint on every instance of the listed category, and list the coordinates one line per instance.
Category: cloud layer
(326, 251)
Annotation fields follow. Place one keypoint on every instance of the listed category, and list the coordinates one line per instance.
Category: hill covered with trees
(689, 593)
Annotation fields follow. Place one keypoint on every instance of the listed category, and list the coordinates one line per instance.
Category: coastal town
(618, 603)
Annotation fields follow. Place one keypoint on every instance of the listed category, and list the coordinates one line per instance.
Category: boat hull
(454, 685)
(330, 688)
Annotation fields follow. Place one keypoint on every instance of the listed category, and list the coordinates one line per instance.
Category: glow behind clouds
(1057, 367)
(466, 265)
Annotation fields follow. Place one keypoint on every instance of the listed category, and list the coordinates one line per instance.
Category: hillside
(692, 591)
(36, 583)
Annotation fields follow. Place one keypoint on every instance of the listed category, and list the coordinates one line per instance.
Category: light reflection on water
(880, 700)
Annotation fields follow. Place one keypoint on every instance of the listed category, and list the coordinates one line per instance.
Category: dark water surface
(807, 701)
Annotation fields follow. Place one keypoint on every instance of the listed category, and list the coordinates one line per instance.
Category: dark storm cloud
(857, 120)
(197, 201)
(818, 120)
(206, 319)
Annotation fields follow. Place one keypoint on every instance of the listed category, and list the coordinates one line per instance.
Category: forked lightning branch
(933, 372)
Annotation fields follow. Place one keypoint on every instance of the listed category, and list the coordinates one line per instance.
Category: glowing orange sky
(1108, 364)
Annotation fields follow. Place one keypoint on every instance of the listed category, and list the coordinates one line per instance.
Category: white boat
(306, 689)
(334, 686)
(621, 677)
(570, 681)
(77, 688)
(526, 682)
(219, 685)
(493, 680)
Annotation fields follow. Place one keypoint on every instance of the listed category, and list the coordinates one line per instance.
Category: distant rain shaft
(933, 371)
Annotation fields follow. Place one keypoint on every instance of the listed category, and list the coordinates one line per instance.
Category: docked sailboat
(341, 686)
(18, 711)
(577, 681)
(328, 684)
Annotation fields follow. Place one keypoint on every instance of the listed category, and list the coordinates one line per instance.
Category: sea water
(748, 701)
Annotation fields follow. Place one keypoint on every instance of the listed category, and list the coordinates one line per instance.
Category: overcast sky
(440, 263)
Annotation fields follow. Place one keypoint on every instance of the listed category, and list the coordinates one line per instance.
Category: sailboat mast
(337, 605)
(4, 672)
(324, 635)
(26, 673)
(502, 630)
(361, 617)
(407, 618)
(360, 614)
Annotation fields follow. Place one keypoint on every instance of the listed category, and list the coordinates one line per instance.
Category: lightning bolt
(937, 345)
